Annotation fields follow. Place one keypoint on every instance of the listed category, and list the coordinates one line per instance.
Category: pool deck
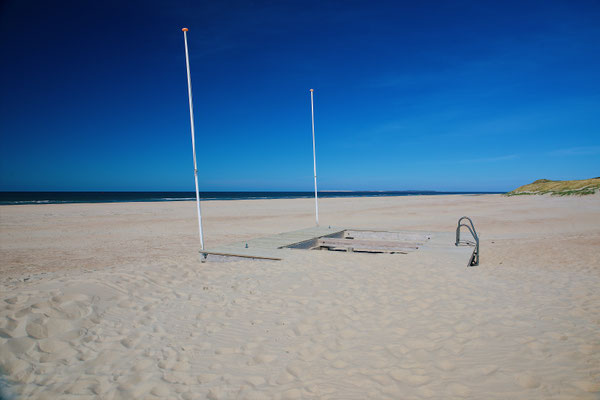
(274, 247)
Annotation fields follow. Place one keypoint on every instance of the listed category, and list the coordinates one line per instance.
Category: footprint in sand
(16, 299)
(143, 365)
(263, 358)
(52, 346)
(65, 354)
(408, 377)
(226, 351)
(463, 327)
(255, 381)
(398, 350)
(14, 327)
(459, 389)
(489, 370)
(177, 377)
(191, 396)
(73, 310)
(303, 329)
(587, 386)
(105, 360)
(217, 393)
(44, 328)
(160, 390)
(298, 369)
(82, 386)
(206, 378)
(292, 394)
(13, 366)
(339, 364)
(527, 381)
(284, 378)
(19, 346)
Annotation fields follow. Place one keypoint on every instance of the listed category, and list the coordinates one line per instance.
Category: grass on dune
(559, 188)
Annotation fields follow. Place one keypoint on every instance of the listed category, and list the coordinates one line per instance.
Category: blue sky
(457, 95)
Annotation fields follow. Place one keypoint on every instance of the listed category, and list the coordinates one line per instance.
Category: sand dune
(110, 302)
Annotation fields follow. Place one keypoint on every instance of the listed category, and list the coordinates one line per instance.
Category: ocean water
(8, 198)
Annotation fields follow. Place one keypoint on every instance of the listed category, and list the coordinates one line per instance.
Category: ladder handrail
(473, 232)
(471, 228)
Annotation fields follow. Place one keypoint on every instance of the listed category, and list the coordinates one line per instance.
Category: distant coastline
(13, 198)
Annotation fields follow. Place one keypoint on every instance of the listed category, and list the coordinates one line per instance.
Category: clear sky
(456, 95)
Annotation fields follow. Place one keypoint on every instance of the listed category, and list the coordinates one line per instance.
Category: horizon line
(251, 191)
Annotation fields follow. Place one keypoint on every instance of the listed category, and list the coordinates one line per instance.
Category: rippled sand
(109, 301)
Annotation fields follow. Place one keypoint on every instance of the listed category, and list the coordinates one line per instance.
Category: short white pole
(312, 111)
(189, 79)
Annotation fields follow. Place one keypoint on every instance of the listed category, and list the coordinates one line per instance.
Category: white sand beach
(110, 301)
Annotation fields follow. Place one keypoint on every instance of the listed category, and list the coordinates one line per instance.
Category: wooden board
(386, 235)
(215, 253)
(368, 245)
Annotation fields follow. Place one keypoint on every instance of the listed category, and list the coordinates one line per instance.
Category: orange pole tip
(185, 29)
(312, 90)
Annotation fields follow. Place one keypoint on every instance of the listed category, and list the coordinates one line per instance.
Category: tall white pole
(312, 111)
(189, 79)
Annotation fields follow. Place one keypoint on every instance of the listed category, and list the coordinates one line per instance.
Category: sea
(11, 198)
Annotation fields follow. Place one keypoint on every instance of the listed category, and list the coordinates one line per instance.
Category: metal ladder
(475, 257)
